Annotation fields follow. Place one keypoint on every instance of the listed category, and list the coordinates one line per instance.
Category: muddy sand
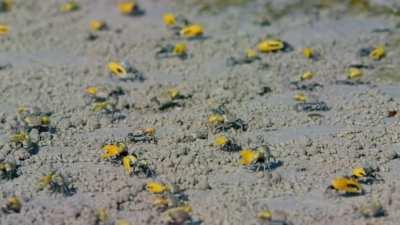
(48, 58)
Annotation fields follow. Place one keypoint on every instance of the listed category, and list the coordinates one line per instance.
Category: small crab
(163, 202)
(104, 107)
(113, 151)
(258, 159)
(69, 7)
(179, 215)
(4, 29)
(157, 188)
(97, 25)
(20, 138)
(192, 31)
(354, 73)
(308, 75)
(146, 135)
(130, 8)
(365, 175)
(169, 19)
(216, 119)
(272, 45)
(346, 186)
(377, 53)
(308, 53)
(135, 166)
(102, 93)
(97, 93)
(264, 215)
(178, 50)
(8, 170)
(267, 217)
(12, 205)
(225, 144)
(56, 183)
(124, 71)
(300, 97)
(34, 118)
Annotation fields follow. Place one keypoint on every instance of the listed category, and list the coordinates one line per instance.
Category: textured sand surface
(51, 62)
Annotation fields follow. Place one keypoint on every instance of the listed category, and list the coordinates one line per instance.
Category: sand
(49, 61)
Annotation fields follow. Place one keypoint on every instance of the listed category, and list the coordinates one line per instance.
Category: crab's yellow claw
(264, 215)
(248, 157)
(174, 93)
(354, 73)
(308, 53)
(4, 29)
(45, 120)
(69, 7)
(20, 137)
(359, 172)
(112, 150)
(128, 162)
(192, 31)
(346, 185)
(96, 25)
(127, 7)
(270, 45)
(45, 180)
(300, 97)
(180, 49)
(307, 76)
(378, 53)
(215, 119)
(91, 90)
(99, 106)
(169, 19)
(117, 69)
(221, 140)
(156, 188)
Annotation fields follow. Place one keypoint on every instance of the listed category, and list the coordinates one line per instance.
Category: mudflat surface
(50, 62)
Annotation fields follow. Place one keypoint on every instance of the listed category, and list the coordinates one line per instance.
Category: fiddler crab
(124, 71)
(8, 170)
(169, 50)
(34, 118)
(258, 159)
(182, 26)
(300, 84)
(13, 204)
(130, 8)
(220, 121)
(133, 165)
(56, 183)
(225, 143)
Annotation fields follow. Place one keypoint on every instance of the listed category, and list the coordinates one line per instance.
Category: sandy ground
(50, 62)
